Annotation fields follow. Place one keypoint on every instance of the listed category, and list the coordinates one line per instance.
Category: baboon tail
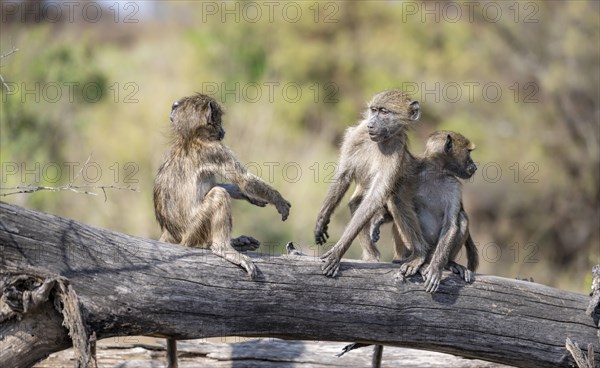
(472, 254)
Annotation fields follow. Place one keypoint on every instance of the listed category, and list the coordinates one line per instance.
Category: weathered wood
(582, 360)
(263, 353)
(133, 286)
(593, 309)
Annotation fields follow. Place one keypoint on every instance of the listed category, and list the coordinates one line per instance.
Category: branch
(5, 55)
(593, 308)
(14, 49)
(131, 286)
(581, 359)
(81, 189)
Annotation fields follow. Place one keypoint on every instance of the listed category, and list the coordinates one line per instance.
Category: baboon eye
(175, 105)
(384, 111)
(373, 109)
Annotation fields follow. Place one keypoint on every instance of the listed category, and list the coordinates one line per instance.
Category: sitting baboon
(443, 220)
(438, 203)
(374, 154)
(191, 208)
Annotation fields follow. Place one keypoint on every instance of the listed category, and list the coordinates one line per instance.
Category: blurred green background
(520, 79)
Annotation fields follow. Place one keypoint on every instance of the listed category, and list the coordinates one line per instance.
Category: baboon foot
(461, 270)
(245, 243)
(411, 265)
(238, 259)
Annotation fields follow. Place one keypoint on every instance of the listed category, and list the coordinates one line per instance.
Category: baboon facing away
(438, 203)
(374, 154)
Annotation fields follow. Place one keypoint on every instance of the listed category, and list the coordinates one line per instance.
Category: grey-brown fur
(375, 156)
(191, 207)
(438, 202)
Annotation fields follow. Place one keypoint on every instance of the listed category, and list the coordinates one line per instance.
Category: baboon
(374, 154)
(438, 203)
(191, 207)
(443, 220)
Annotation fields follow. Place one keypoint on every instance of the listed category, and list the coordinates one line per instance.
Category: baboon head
(197, 116)
(389, 113)
(453, 151)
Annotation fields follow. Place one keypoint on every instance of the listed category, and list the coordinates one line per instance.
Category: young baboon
(438, 202)
(191, 208)
(374, 154)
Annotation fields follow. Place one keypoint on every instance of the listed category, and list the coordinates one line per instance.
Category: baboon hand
(432, 278)
(283, 207)
(332, 263)
(375, 233)
(411, 265)
(321, 234)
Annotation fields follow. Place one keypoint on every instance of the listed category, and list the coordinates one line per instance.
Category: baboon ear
(209, 112)
(472, 146)
(414, 110)
(212, 113)
(448, 145)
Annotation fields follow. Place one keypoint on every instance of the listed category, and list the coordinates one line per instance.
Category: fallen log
(131, 286)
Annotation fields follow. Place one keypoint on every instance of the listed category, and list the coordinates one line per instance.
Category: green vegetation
(291, 85)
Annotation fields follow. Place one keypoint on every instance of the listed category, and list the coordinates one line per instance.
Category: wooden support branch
(133, 286)
(593, 309)
(581, 359)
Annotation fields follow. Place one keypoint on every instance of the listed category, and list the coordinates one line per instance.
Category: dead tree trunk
(132, 286)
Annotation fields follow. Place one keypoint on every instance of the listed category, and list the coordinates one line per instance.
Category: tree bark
(131, 286)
